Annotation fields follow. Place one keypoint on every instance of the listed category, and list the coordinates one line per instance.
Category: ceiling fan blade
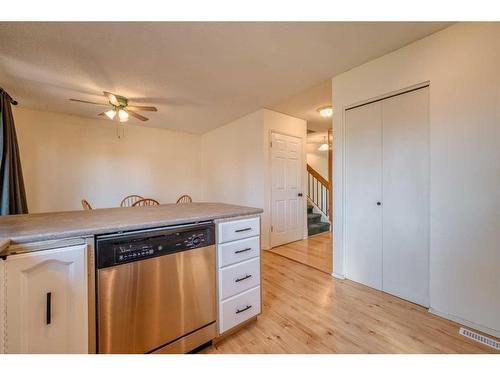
(102, 114)
(87, 102)
(142, 108)
(136, 115)
(112, 98)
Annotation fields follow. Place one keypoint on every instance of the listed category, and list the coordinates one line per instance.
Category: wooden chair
(129, 200)
(184, 199)
(86, 205)
(146, 202)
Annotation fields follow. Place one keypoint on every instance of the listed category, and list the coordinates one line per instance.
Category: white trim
(465, 322)
(337, 276)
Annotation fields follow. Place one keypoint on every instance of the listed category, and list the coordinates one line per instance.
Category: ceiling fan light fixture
(326, 112)
(122, 115)
(111, 114)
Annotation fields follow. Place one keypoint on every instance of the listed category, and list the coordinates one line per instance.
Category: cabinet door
(47, 301)
(363, 191)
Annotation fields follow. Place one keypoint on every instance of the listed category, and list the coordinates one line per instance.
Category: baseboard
(466, 323)
(337, 276)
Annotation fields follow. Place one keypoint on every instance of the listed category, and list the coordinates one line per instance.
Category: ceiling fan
(121, 107)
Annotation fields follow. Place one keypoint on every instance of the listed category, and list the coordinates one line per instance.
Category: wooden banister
(318, 177)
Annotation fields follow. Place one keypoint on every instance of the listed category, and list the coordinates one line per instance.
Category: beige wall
(236, 160)
(462, 65)
(67, 158)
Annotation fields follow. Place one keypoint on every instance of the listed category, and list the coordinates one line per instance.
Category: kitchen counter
(17, 229)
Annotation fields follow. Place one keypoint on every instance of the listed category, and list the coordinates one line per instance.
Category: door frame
(342, 174)
(270, 187)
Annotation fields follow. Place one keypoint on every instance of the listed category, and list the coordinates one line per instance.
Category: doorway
(315, 247)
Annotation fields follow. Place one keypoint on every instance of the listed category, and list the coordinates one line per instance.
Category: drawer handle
(242, 230)
(242, 278)
(243, 309)
(48, 313)
(243, 250)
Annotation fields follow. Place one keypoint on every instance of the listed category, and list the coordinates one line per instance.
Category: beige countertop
(17, 229)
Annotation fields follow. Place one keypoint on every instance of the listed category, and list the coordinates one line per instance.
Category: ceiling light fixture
(111, 114)
(123, 115)
(325, 111)
(324, 146)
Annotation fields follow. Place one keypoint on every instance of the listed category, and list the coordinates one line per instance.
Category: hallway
(315, 251)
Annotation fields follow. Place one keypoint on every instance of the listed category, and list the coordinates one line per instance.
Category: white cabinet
(238, 254)
(2, 306)
(238, 229)
(47, 304)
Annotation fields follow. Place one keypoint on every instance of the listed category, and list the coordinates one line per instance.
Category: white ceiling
(305, 106)
(199, 74)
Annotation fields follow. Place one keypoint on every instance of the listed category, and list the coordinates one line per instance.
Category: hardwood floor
(307, 311)
(315, 251)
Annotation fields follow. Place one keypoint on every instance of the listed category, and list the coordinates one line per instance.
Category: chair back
(146, 202)
(184, 199)
(86, 205)
(129, 200)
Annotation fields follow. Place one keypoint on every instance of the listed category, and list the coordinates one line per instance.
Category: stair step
(313, 218)
(317, 228)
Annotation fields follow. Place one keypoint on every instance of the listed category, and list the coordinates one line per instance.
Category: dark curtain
(12, 193)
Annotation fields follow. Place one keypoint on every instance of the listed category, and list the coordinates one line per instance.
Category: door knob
(379, 203)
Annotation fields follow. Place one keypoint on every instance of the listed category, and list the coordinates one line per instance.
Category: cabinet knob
(379, 203)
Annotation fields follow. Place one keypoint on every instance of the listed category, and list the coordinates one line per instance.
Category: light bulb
(122, 115)
(326, 112)
(111, 114)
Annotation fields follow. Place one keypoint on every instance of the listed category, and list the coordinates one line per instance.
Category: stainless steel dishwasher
(156, 290)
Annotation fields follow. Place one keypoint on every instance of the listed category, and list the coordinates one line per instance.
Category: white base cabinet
(47, 302)
(2, 306)
(238, 259)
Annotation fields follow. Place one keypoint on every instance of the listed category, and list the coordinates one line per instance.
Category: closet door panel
(363, 190)
(405, 200)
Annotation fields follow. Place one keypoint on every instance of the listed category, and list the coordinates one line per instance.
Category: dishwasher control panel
(134, 246)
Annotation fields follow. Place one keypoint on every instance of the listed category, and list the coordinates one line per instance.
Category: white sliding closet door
(387, 195)
(364, 190)
(405, 208)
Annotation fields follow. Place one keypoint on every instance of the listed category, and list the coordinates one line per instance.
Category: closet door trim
(388, 96)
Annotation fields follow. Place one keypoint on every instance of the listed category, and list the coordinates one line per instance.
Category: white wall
(67, 158)
(235, 161)
(317, 159)
(462, 64)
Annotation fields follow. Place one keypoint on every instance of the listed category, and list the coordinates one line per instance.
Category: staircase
(318, 195)
(314, 223)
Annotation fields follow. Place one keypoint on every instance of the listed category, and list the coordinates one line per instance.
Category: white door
(47, 309)
(406, 196)
(364, 190)
(387, 195)
(287, 211)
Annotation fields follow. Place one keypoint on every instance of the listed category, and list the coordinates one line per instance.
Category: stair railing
(318, 190)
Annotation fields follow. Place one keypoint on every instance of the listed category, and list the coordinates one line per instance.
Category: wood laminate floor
(307, 311)
(315, 251)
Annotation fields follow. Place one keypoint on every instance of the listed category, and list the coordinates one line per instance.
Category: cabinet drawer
(238, 229)
(238, 251)
(239, 308)
(238, 278)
